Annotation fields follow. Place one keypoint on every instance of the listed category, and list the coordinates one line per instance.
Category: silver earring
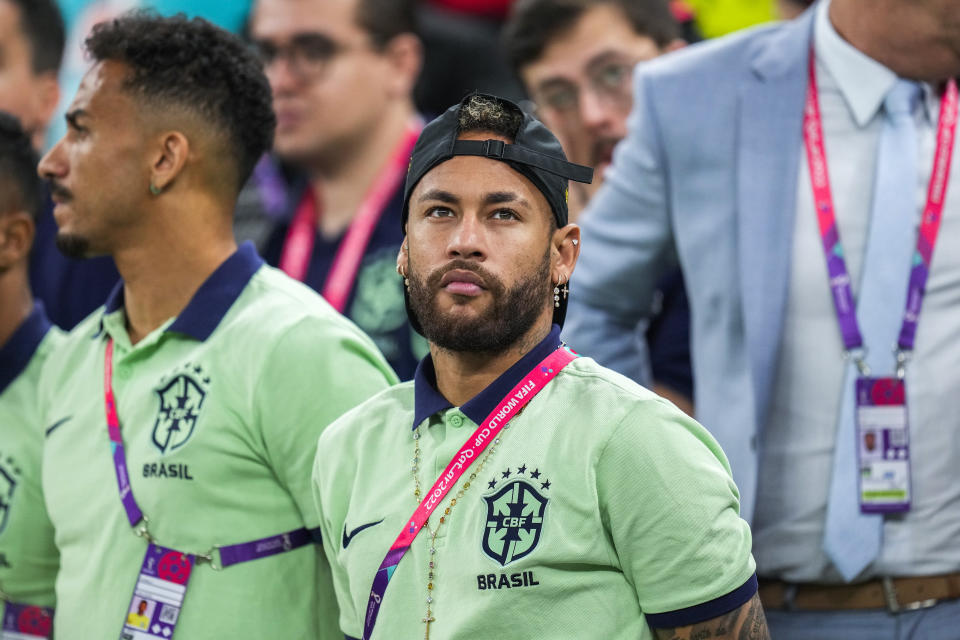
(561, 282)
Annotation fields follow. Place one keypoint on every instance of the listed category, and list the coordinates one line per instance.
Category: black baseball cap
(534, 153)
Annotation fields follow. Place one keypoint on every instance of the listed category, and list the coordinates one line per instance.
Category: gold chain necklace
(428, 618)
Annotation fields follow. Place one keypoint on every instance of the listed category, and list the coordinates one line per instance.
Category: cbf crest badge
(181, 399)
(514, 517)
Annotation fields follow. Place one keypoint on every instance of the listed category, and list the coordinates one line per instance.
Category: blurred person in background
(342, 74)
(28, 555)
(463, 50)
(801, 176)
(182, 418)
(575, 58)
(32, 43)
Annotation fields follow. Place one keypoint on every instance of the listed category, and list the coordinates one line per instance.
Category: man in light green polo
(599, 511)
(28, 557)
(183, 416)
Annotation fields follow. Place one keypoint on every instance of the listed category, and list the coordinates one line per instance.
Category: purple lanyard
(230, 554)
(926, 238)
(489, 429)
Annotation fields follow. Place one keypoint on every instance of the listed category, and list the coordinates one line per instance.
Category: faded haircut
(197, 66)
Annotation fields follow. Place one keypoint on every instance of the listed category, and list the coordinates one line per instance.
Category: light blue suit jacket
(708, 177)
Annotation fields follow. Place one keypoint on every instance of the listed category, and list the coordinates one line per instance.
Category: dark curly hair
(20, 186)
(533, 24)
(198, 66)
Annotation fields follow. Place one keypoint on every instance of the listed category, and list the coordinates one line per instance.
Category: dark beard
(73, 246)
(513, 313)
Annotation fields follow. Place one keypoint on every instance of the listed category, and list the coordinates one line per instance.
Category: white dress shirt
(798, 441)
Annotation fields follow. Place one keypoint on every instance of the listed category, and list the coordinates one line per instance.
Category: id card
(883, 445)
(26, 622)
(158, 596)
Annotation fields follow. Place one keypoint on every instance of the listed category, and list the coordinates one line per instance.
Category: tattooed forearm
(745, 623)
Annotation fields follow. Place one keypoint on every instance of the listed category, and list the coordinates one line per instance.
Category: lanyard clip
(903, 357)
(143, 530)
(857, 355)
(211, 557)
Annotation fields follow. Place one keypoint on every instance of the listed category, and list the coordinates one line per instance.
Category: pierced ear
(566, 244)
(403, 257)
(169, 160)
(403, 260)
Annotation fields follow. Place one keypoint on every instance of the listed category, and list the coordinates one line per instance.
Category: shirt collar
(863, 82)
(428, 401)
(16, 354)
(214, 297)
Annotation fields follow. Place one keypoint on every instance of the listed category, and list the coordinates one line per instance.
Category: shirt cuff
(706, 611)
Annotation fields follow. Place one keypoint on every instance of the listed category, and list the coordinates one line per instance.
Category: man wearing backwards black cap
(583, 506)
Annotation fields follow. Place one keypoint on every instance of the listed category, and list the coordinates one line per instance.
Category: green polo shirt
(603, 511)
(28, 556)
(220, 411)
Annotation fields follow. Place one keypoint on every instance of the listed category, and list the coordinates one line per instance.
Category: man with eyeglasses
(342, 74)
(575, 58)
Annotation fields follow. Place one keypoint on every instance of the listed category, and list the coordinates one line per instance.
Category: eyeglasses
(609, 82)
(308, 54)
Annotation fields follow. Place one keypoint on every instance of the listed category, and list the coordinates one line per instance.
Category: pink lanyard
(302, 235)
(929, 226)
(489, 429)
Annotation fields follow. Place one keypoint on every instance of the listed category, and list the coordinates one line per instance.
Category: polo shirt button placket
(455, 419)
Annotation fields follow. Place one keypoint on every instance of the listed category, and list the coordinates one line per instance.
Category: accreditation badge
(26, 622)
(883, 445)
(158, 596)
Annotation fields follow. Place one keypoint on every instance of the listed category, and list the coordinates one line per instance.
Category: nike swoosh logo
(348, 538)
(55, 425)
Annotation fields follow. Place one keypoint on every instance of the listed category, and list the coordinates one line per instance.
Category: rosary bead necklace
(428, 618)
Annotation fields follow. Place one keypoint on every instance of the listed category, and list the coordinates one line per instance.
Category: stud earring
(575, 242)
(155, 190)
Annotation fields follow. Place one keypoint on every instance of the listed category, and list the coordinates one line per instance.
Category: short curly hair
(480, 113)
(20, 186)
(195, 65)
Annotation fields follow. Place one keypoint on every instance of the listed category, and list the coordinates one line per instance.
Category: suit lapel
(769, 150)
